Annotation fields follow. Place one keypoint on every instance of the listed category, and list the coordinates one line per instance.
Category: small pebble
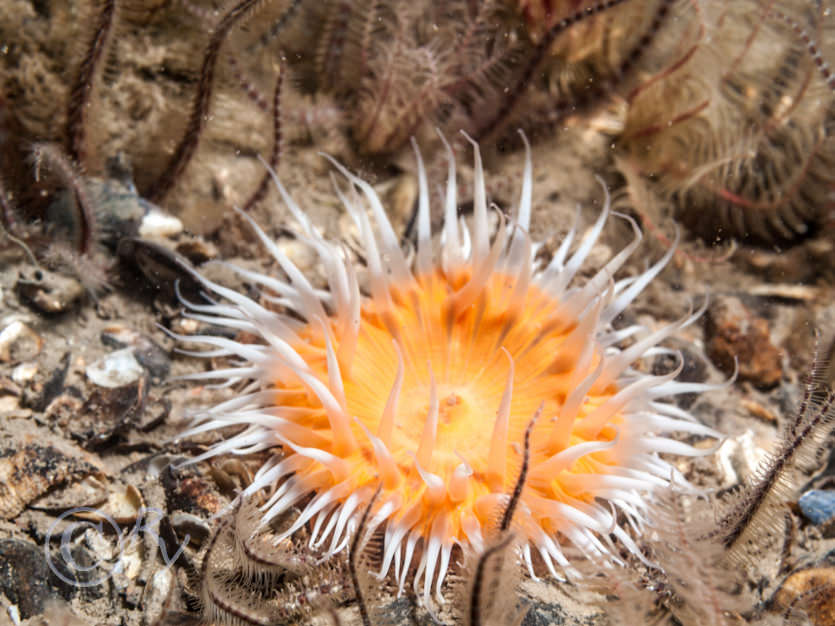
(48, 292)
(116, 369)
(738, 338)
(818, 506)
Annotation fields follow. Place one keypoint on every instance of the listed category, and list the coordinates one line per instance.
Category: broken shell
(197, 251)
(224, 474)
(803, 293)
(162, 266)
(185, 326)
(147, 352)
(24, 372)
(63, 409)
(8, 387)
(109, 412)
(156, 595)
(157, 224)
(191, 526)
(116, 369)
(90, 492)
(161, 463)
(123, 506)
(9, 405)
(29, 468)
(19, 343)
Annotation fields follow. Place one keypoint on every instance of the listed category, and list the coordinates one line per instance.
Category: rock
(186, 490)
(811, 591)
(116, 369)
(26, 578)
(48, 292)
(819, 508)
(734, 332)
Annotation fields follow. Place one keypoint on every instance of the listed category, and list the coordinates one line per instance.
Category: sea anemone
(422, 382)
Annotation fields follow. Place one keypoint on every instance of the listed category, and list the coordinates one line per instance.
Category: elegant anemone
(416, 388)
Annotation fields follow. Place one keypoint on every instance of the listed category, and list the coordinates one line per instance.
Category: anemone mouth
(428, 385)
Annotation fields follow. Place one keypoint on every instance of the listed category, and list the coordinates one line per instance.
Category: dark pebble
(26, 578)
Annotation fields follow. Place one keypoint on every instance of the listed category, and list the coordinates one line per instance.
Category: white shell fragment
(116, 369)
(156, 224)
(25, 372)
(18, 342)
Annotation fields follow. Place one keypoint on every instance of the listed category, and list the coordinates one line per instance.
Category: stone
(26, 578)
(733, 332)
(818, 506)
(49, 292)
(811, 591)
